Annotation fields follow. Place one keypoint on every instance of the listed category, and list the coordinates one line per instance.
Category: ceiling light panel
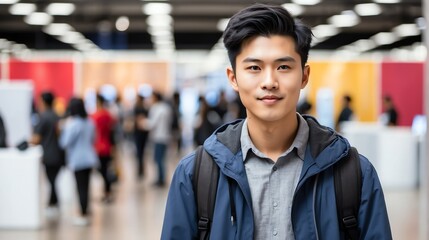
(347, 18)
(364, 45)
(368, 9)
(306, 2)
(57, 29)
(157, 8)
(8, 1)
(294, 9)
(22, 9)
(159, 20)
(38, 18)
(325, 30)
(406, 30)
(387, 1)
(72, 38)
(385, 38)
(62, 9)
(222, 23)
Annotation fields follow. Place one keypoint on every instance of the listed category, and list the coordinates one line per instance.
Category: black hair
(48, 98)
(157, 95)
(387, 98)
(101, 99)
(265, 20)
(76, 107)
(348, 98)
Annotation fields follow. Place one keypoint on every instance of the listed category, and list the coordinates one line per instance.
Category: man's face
(269, 77)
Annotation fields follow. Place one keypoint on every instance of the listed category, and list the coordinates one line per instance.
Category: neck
(273, 139)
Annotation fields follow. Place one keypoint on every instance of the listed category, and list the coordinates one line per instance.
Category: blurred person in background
(207, 121)
(2, 134)
(346, 113)
(176, 126)
(389, 117)
(159, 125)
(46, 133)
(104, 144)
(304, 107)
(78, 139)
(117, 111)
(140, 134)
(221, 106)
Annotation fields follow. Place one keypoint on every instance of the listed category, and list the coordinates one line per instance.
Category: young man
(276, 167)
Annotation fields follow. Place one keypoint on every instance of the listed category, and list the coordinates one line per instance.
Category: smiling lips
(270, 99)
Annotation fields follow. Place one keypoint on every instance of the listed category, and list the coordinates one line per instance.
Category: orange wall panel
(125, 74)
(357, 79)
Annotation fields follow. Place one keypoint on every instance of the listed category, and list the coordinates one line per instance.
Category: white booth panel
(20, 188)
(392, 150)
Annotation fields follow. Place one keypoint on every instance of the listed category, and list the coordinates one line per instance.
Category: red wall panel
(404, 83)
(57, 77)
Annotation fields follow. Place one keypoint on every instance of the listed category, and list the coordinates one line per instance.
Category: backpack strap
(348, 184)
(206, 174)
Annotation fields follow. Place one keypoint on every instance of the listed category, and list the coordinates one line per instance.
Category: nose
(269, 81)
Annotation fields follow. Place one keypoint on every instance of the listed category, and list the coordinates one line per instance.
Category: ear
(305, 76)
(232, 79)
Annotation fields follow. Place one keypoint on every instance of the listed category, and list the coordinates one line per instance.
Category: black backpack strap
(348, 184)
(206, 174)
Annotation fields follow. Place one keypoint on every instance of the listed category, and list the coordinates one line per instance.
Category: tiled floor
(138, 210)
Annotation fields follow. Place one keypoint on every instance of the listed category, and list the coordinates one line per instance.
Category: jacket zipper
(230, 178)
(314, 206)
(231, 201)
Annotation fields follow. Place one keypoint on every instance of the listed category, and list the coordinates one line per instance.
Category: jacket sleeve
(373, 217)
(180, 219)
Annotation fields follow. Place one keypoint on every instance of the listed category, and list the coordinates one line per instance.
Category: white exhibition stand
(20, 185)
(15, 108)
(393, 151)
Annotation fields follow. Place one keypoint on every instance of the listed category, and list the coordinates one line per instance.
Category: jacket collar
(324, 147)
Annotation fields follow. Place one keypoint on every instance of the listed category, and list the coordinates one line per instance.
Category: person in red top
(104, 124)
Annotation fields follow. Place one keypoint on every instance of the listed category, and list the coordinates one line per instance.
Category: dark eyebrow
(249, 59)
(285, 59)
(282, 59)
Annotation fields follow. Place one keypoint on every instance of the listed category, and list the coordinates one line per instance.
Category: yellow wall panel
(357, 79)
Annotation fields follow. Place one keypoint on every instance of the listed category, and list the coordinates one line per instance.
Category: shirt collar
(299, 143)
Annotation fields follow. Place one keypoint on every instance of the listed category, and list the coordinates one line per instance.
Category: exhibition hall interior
(369, 82)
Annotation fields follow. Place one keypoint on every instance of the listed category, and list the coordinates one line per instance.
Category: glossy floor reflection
(138, 209)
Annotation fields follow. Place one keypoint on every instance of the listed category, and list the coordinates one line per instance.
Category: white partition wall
(392, 150)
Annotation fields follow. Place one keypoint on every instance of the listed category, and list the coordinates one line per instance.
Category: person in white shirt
(159, 125)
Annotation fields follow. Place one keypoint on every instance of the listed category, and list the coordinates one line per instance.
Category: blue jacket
(314, 213)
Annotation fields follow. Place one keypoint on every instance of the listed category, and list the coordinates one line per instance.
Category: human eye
(254, 68)
(283, 67)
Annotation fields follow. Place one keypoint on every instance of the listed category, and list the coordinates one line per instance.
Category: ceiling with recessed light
(194, 24)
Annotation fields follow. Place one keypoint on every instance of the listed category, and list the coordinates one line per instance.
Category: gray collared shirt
(272, 184)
